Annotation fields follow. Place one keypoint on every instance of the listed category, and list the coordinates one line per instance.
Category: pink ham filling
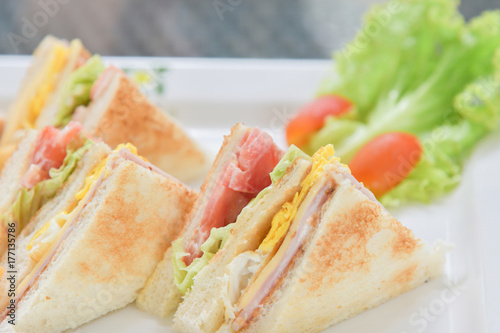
(303, 230)
(103, 81)
(126, 154)
(243, 178)
(50, 151)
(358, 186)
(98, 88)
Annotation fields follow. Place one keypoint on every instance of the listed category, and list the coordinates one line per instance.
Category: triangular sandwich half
(330, 252)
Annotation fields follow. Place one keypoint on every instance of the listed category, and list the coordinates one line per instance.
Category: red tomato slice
(386, 160)
(50, 151)
(312, 117)
(51, 145)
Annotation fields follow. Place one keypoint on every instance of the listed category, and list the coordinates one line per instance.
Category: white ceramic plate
(209, 96)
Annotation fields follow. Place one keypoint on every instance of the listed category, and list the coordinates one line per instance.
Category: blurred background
(192, 28)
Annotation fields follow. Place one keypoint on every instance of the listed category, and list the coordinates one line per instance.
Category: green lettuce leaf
(480, 102)
(280, 169)
(184, 275)
(416, 66)
(29, 201)
(76, 90)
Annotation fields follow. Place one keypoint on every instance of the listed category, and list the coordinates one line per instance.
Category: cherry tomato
(386, 160)
(312, 117)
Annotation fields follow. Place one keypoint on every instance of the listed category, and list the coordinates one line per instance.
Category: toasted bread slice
(160, 296)
(123, 114)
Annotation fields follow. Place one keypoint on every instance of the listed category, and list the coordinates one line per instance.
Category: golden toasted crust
(131, 117)
(405, 276)
(113, 240)
(356, 227)
(405, 242)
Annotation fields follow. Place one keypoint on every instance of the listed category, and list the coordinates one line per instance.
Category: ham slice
(244, 176)
(50, 151)
(126, 154)
(103, 81)
(344, 172)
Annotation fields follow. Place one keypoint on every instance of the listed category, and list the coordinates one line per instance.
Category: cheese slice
(282, 220)
(45, 238)
(52, 69)
(91, 178)
(274, 261)
(50, 233)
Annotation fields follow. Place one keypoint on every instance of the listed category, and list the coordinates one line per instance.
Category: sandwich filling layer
(51, 69)
(77, 90)
(55, 158)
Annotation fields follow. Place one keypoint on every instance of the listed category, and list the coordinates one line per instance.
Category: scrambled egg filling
(282, 220)
(59, 58)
